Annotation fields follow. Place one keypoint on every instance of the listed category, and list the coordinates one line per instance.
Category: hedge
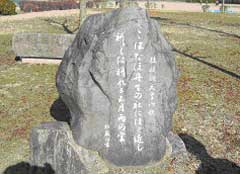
(7, 7)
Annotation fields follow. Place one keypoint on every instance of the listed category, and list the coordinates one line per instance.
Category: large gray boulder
(118, 80)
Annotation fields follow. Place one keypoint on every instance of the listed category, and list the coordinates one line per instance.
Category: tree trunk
(82, 7)
(123, 3)
(148, 4)
(223, 8)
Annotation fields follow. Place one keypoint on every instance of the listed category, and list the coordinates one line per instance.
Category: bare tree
(148, 4)
(223, 8)
(123, 3)
(83, 11)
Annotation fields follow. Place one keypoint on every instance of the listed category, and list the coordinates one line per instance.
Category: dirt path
(164, 6)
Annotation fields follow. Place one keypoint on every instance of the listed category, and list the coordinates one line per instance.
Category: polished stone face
(118, 80)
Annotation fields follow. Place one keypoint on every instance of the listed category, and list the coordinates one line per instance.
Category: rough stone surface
(53, 150)
(118, 80)
(41, 45)
(52, 144)
(177, 145)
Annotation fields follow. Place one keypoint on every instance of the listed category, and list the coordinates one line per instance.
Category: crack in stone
(99, 86)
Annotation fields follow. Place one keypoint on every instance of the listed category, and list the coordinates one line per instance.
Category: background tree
(123, 3)
(83, 10)
(7, 7)
(148, 4)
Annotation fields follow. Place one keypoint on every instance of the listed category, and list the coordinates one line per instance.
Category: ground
(207, 48)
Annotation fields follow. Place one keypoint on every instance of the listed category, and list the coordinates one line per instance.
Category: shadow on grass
(209, 165)
(26, 168)
(199, 27)
(59, 111)
(207, 63)
(158, 18)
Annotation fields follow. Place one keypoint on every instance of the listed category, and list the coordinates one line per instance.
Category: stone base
(52, 144)
(176, 144)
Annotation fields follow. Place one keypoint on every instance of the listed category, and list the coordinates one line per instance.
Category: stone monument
(118, 79)
(41, 47)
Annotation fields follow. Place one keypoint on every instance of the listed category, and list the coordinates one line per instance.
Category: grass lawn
(208, 113)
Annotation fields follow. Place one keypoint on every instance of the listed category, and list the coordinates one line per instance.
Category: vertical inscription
(137, 105)
(152, 89)
(107, 135)
(121, 63)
